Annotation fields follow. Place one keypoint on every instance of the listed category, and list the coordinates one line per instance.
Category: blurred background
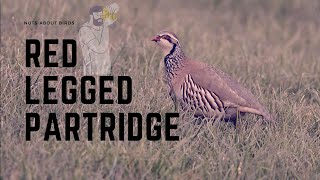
(272, 47)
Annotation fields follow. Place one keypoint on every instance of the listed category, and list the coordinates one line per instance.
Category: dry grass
(272, 47)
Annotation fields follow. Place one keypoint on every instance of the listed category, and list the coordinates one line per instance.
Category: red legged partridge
(202, 88)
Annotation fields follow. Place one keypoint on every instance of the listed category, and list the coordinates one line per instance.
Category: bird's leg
(220, 116)
(175, 105)
(231, 115)
(174, 99)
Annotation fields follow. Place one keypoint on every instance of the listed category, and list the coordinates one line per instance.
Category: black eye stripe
(166, 37)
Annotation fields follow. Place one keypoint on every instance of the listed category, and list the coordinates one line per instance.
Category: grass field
(271, 47)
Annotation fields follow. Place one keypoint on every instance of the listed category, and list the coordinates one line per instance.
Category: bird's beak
(156, 38)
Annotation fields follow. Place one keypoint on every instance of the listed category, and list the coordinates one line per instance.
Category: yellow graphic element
(107, 14)
(110, 11)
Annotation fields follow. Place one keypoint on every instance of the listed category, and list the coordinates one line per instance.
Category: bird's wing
(228, 90)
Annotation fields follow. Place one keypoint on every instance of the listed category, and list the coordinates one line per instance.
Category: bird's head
(167, 41)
